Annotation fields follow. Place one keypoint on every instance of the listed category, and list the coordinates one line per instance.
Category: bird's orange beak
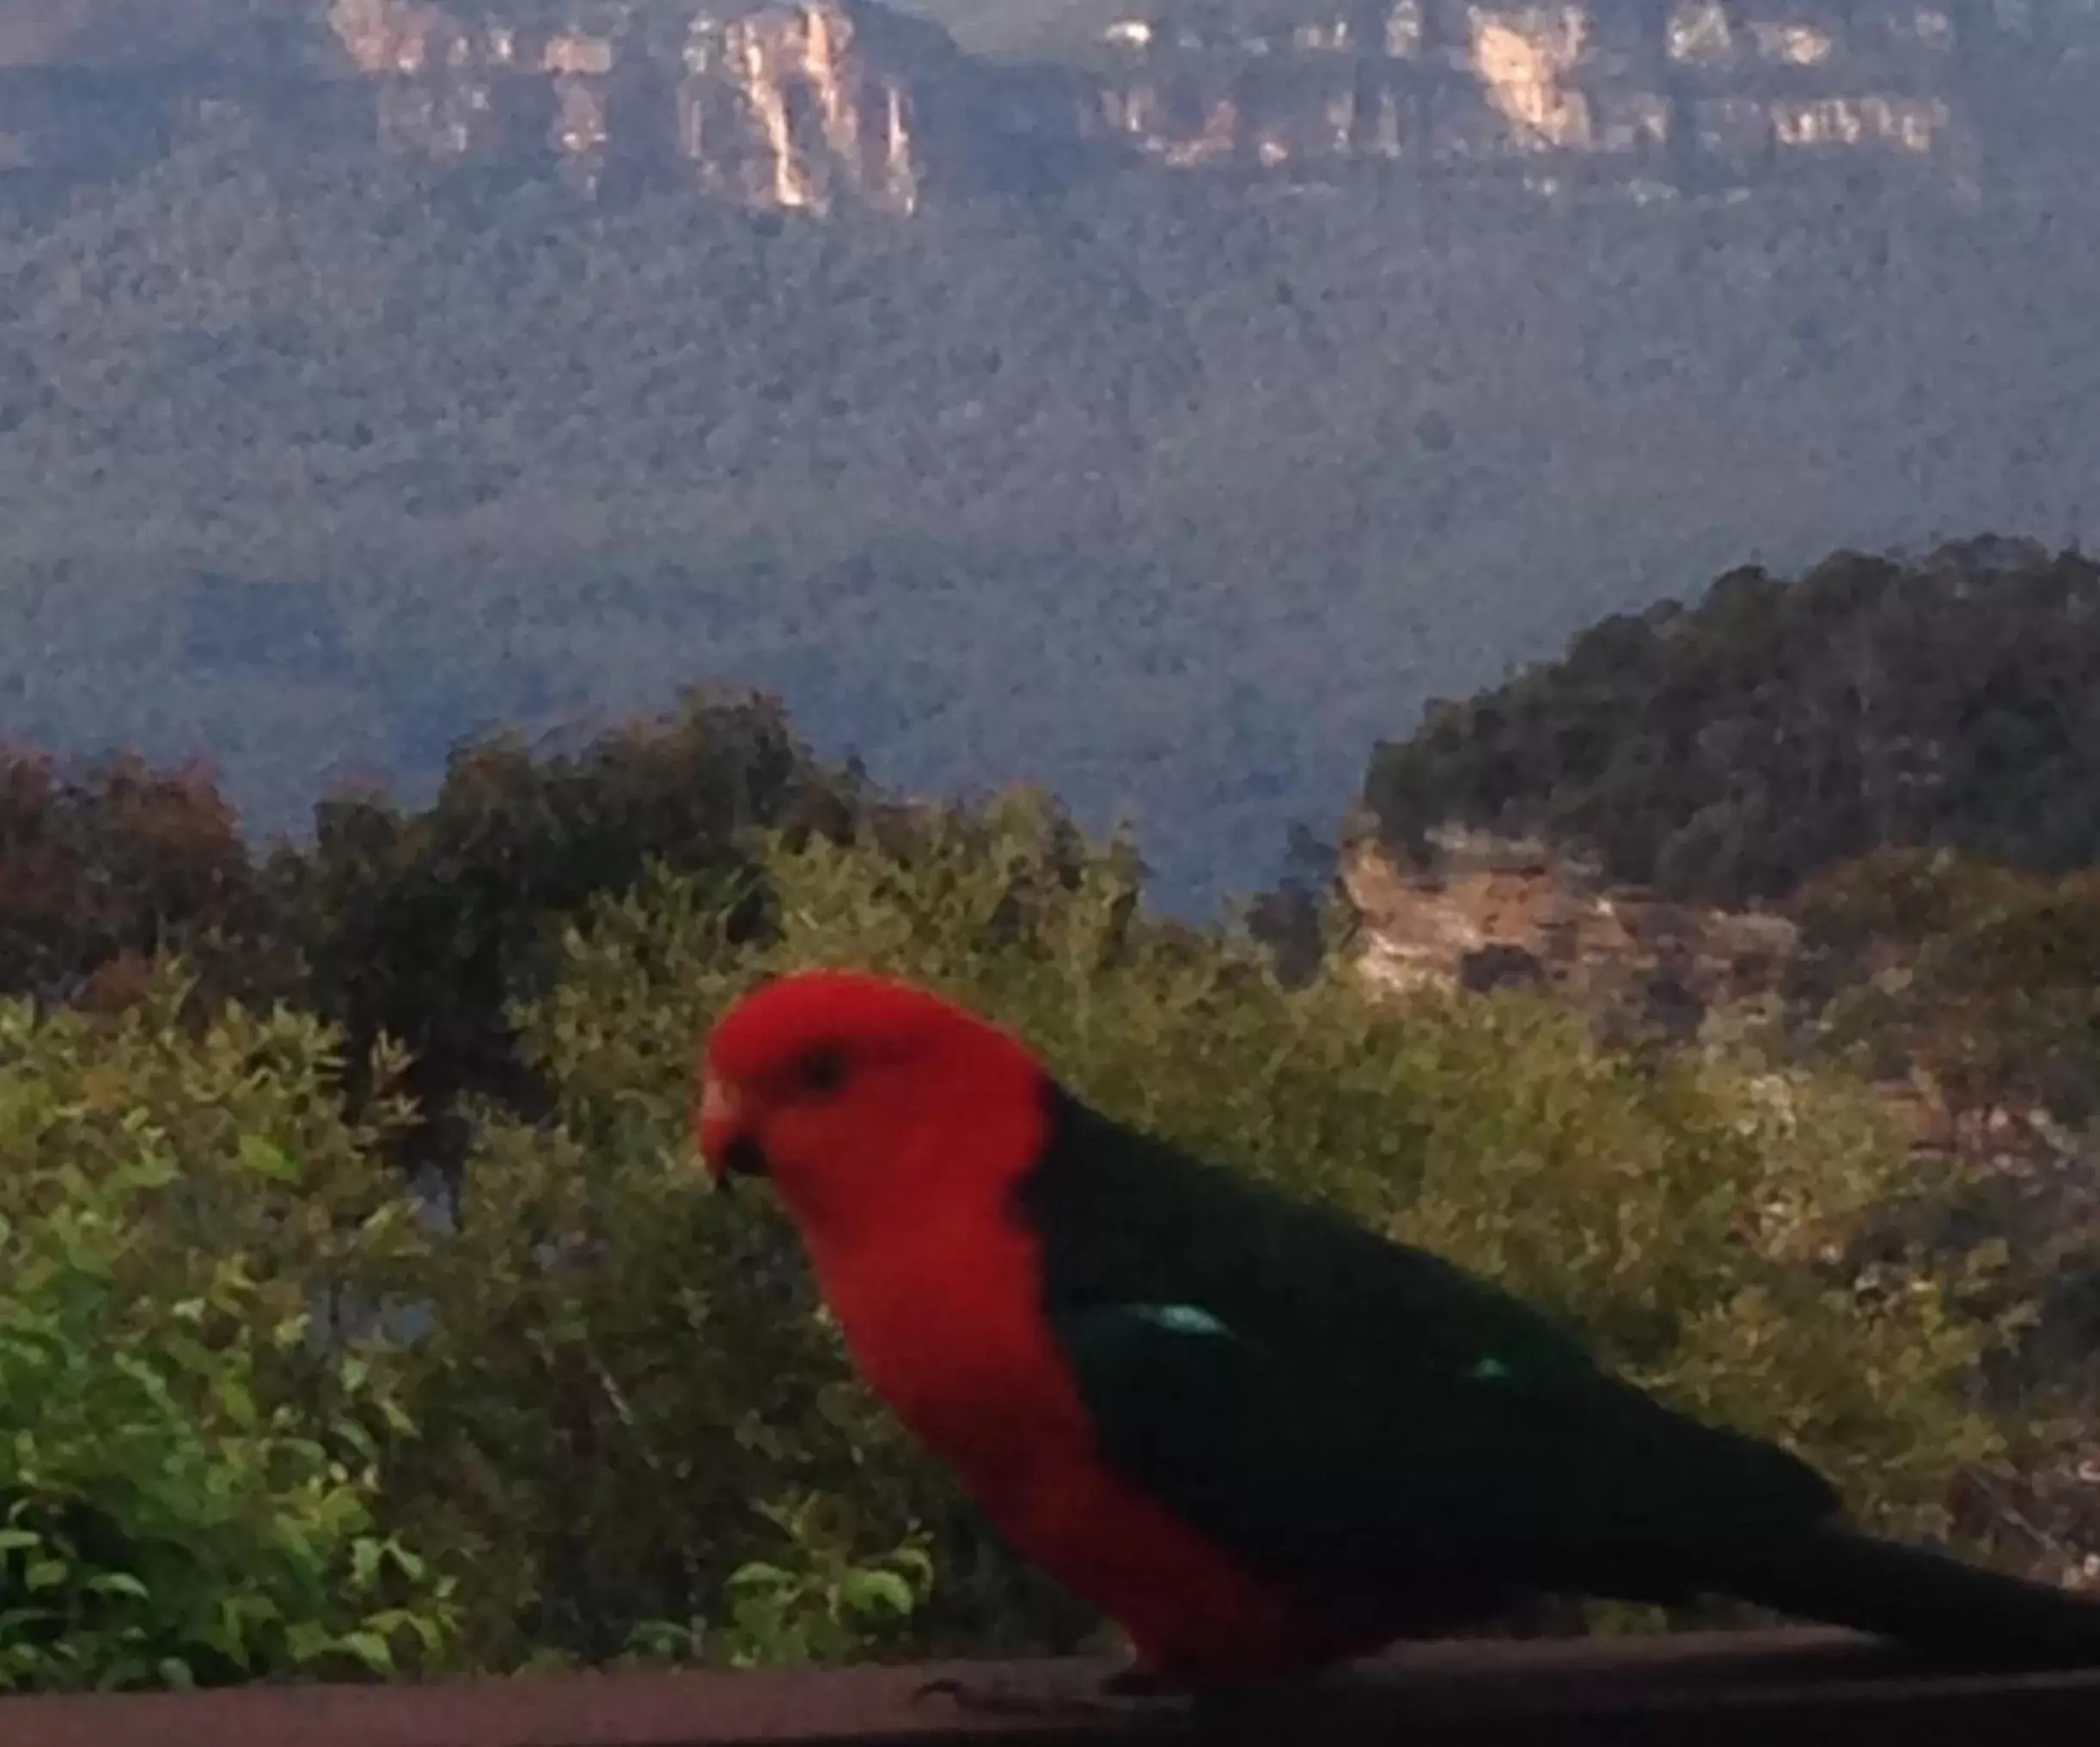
(720, 1122)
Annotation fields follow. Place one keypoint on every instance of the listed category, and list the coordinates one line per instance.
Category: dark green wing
(1124, 1218)
(1304, 1465)
(1326, 1402)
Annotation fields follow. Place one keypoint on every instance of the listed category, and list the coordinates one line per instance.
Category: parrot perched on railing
(1259, 1437)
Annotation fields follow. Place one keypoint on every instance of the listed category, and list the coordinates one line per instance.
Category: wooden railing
(1789, 1688)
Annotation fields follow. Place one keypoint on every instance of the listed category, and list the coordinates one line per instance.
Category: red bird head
(864, 1099)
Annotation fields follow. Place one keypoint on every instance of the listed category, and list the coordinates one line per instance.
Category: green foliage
(1983, 979)
(640, 1416)
(626, 1430)
(423, 926)
(1732, 750)
(1980, 984)
(193, 1425)
(418, 925)
(115, 863)
(826, 1605)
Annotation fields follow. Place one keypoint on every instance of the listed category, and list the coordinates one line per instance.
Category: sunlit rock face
(1663, 84)
(801, 106)
(793, 108)
(813, 105)
(1482, 911)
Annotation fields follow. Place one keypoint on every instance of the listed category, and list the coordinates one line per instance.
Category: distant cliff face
(787, 108)
(1698, 85)
(802, 106)
(809, 104)
(1486, 912)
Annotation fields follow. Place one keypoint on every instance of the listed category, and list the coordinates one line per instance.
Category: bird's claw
(1136, 1683)
(1127, 1694)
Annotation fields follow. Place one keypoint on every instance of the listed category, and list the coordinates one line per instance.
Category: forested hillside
(1731, 748)
(1170, 500)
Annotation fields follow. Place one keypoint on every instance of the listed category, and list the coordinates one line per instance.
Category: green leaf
(308, 1641)
(259, 1157)
(372, 1650)
(876, 1592)
(232, 1395)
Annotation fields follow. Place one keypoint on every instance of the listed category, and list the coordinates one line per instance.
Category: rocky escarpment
(807, 104)
(1481, 912)
(787, 106)
(1674, 89)
(799, 106)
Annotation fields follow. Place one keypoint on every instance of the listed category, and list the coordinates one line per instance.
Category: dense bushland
(610, 1418)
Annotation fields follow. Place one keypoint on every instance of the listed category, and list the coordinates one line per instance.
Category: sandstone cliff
(1696, 83)
(799, 105)
(789, 106)
(1485, 912)
(807, 104)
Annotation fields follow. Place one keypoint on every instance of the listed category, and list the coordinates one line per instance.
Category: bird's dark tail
(1946, 1610)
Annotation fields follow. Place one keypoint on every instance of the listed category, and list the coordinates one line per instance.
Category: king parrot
(1259, 1437)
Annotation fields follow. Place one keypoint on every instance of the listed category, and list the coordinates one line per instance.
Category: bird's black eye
(823, 1072)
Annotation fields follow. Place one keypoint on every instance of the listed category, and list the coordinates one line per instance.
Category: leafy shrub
(423, 926)
(639, 1435)
(415, 924)
(1983, 978)
(1981, 983)
(640, 1417)
(193, 1425)
(824, 1605)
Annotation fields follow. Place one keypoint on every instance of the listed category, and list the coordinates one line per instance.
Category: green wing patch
(1302, 1463)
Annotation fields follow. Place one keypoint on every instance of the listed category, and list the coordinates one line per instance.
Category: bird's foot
(1139, 1682)
(1126, 1695)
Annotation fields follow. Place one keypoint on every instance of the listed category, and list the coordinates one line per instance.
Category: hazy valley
(1165, 423)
